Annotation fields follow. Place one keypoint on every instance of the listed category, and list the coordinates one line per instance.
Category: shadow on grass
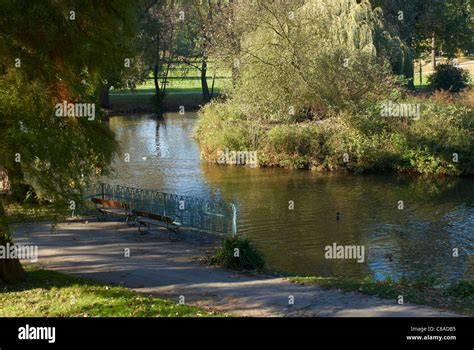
(54, 294)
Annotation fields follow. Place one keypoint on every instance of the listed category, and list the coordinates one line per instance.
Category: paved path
(465, 65)
(171, 269)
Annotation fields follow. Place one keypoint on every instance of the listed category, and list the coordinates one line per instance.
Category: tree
(195, 38)
(294, 67)
(51, 52)
(190, 33)
(156, 40)
(428, 25)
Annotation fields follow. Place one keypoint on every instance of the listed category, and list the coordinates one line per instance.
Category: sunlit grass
(183, 88)
(34, 212)
(48, 293)
(427, 71)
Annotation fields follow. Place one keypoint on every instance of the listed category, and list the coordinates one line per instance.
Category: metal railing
(212, 215)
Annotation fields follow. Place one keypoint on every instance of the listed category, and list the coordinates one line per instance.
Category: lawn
(48, 293)
(183, 89)
(33, 212)
(427, 71)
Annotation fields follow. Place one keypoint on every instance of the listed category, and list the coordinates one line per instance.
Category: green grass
(33, 212)
(458, 297)
(183, 76)
(185, 83)
(184, 88)
(48, 293)
(427, 68)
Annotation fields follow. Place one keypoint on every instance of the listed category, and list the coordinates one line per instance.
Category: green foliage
(461, 289)
(426, 145)
(313, 110)
(238, 253)
(449, 77)
(293, 145)
(222, 127)
(449, 20)
(296, 69)
(34, 212)
(66, 60)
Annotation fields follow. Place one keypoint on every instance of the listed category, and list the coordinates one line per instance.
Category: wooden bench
(146, 220)
(106, 207)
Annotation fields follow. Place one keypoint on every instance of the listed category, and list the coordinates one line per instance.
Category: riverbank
(143, 101)
(458, 297)
(416, 134)
(170, 270)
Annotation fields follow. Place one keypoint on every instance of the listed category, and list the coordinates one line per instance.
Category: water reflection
(438, 214)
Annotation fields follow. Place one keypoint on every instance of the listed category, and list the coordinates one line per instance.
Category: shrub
(443, 130)
(294, 145)
(449, 77)
(222, 127)
(238, 253)
(463, 289)
(438, 142)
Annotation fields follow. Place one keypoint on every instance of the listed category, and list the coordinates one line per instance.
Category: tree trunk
(11, 270)
(104, 99)
(155, 79)
(409, 71)
(206, 96)
(235, 75)
(213, 83)
(433, 51)
(165, 78)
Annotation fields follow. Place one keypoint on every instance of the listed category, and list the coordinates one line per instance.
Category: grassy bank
(183, 89)
(33, 212)
(458, 297)
(53, 294)
(190, 98)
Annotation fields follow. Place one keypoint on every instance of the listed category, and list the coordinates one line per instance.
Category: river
(436, 220)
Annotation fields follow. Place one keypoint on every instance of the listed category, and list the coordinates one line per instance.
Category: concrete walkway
(169, 270)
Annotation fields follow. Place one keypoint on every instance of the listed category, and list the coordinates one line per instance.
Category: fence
(212, 215)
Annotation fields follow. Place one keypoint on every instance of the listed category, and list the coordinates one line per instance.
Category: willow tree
(302, 63)
(51, 52)
(305, 59)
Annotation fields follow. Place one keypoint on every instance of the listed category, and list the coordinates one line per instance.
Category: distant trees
(190, 33)
(430, 25)
(156, 40)
(178, 32)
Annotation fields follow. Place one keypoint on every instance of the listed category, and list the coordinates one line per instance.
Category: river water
(436, 220)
